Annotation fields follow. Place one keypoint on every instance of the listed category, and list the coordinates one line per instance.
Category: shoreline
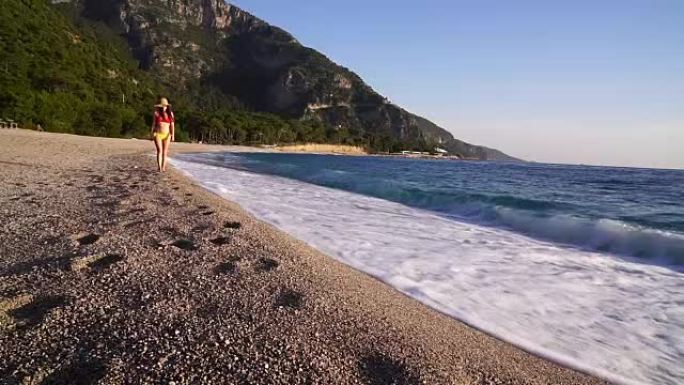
(289, 313)
(219, 182)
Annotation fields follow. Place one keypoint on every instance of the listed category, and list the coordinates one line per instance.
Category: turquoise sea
(583, 265)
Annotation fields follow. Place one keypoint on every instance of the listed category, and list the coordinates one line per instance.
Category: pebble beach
(113, 273)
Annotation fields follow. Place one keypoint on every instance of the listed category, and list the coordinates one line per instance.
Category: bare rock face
(213, 15)
(187, 40)
(212, 42)
(178, 38)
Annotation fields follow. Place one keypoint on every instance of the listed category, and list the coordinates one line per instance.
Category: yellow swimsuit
(160, 122)
(162, 135)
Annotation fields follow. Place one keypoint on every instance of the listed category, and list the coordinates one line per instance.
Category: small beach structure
(8, 123)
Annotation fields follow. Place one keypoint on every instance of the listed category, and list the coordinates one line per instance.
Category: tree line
(72, 75)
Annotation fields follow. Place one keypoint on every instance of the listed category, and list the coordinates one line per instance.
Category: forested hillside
(97, 67)
(70, 74)
(65, 77)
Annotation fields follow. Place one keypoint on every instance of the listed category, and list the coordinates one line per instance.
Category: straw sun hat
(163, 102)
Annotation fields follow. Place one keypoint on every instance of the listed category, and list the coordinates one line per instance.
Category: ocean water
(583, 265)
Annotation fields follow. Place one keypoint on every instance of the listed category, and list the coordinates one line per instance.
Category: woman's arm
(172, 127)
(154, 124)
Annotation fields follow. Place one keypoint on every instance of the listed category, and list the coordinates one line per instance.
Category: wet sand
(112, 273)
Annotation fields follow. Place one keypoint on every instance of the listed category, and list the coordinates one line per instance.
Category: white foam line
(616, 319)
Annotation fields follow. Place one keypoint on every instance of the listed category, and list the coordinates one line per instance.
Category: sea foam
(621, 320)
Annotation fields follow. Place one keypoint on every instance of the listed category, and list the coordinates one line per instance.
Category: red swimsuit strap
(168, 118)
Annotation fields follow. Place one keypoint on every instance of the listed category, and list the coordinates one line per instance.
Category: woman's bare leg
(166, 143)
(160, 153)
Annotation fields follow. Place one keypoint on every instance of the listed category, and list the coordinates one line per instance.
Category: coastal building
(9, 123)
(441, 151)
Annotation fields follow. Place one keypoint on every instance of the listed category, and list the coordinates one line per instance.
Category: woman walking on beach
(162, 131)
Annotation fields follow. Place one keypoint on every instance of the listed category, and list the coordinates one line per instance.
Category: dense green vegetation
(68, 78)
(71, 74)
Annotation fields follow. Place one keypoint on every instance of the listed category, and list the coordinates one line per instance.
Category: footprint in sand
(226, 268)
(95, 262)
(106, 261)
(288, 298)
(93, 188)
(87, 239)
(8, 305)
(27, 311)
(86, 370)
(232, 225)
(185, 244)
(267, 264)
(170, 230)
(201, 228)
(220, 241)
(21, 268)
(378, 368)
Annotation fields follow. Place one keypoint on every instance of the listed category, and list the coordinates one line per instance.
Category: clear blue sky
(572, 81)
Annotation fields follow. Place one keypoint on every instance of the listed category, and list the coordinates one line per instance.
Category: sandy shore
(112, 273)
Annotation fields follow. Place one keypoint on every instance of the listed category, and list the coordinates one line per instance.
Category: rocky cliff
(194, 42)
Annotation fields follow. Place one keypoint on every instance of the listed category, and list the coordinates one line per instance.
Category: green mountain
(232, 77)
(67, 77)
